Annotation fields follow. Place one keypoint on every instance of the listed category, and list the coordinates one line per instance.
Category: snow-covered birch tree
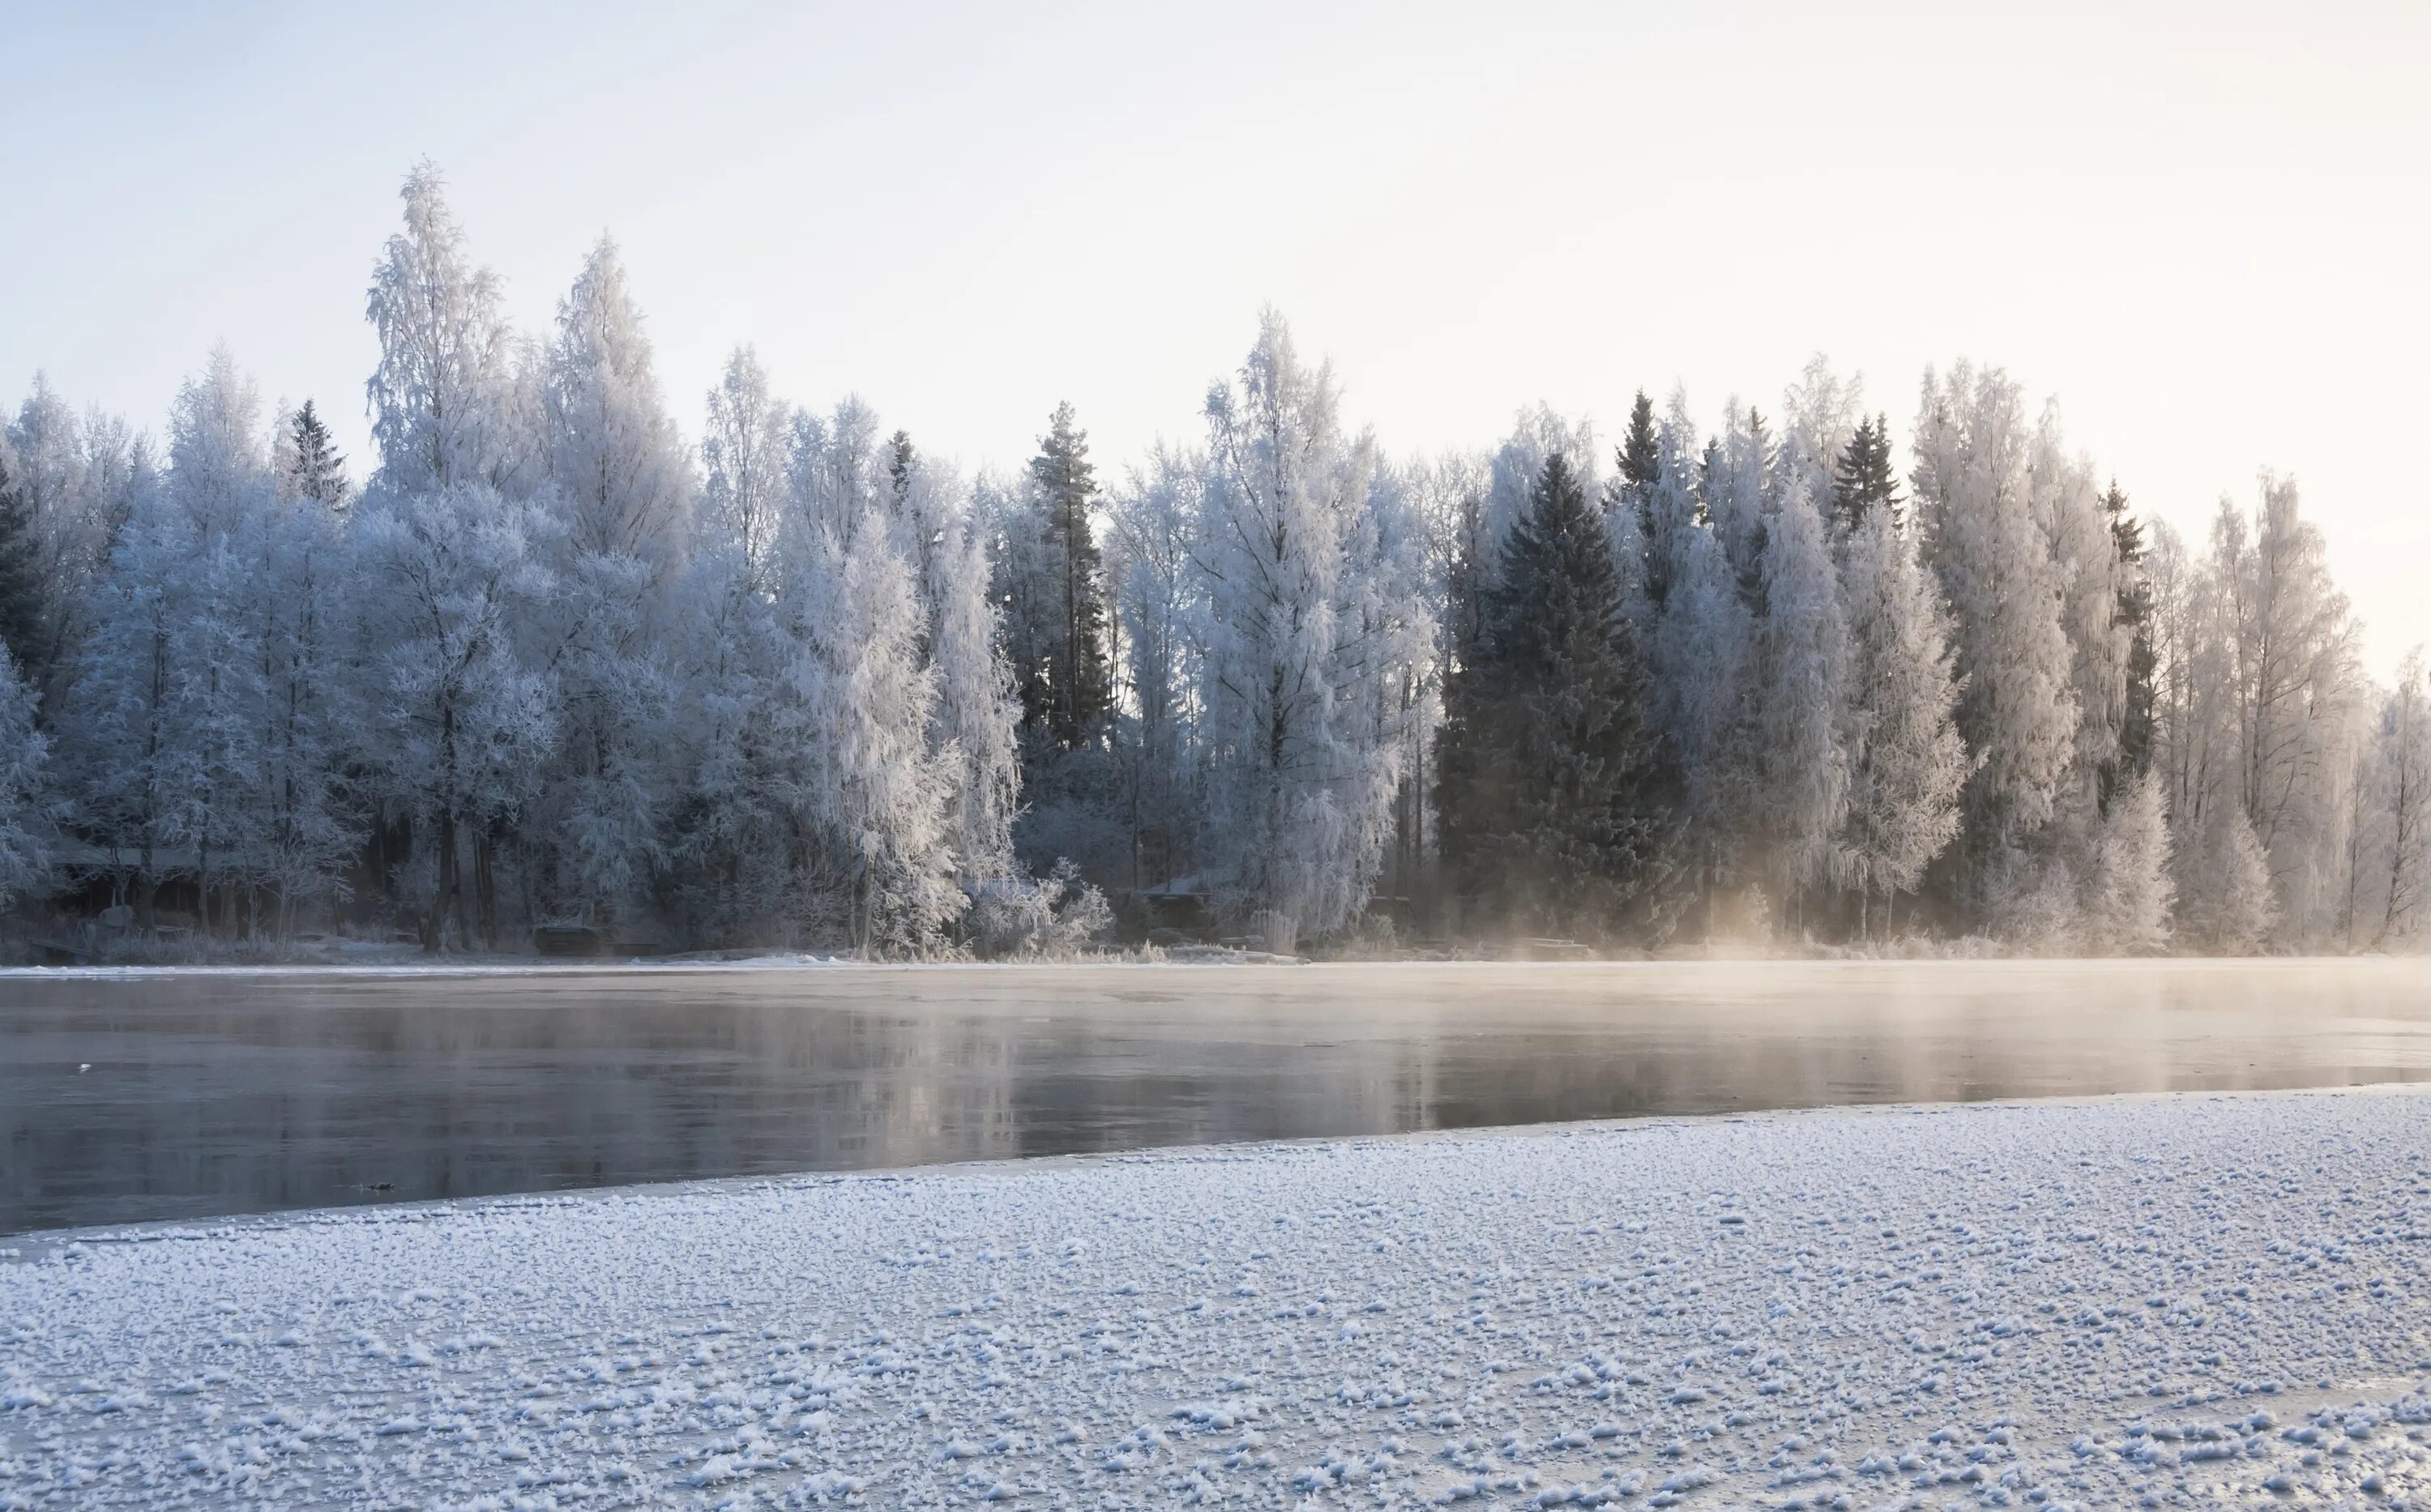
(443, 398)
(1804, 671)
(1907, 764)
(2017, 709)
(1300, 784)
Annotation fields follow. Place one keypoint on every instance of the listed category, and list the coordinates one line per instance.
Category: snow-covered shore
(2202, 1300)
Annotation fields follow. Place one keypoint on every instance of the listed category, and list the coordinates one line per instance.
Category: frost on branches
(797, 681)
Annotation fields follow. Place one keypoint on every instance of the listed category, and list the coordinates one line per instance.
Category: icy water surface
(219, 1094)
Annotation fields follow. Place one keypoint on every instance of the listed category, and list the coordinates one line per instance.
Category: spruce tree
(1640, 465)
(1546, 756)
(1863, 478)
(21, 583)
(2135, 612)
(316, 468)
(1066, 689)
(901, 458)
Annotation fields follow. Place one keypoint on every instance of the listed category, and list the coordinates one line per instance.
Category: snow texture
(2196, 1302)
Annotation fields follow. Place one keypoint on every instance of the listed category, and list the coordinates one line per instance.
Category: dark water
(223, 1094)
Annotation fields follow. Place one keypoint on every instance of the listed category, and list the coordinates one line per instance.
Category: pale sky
(2202, 226)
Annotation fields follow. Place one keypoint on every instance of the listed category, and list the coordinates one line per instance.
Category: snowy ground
(2200, 1301)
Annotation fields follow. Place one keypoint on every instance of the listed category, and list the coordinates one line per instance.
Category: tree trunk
(444, 899)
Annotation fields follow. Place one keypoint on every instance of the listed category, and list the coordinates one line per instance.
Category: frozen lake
(212, 1094)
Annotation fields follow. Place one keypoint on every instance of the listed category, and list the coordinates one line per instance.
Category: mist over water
(223, 1094)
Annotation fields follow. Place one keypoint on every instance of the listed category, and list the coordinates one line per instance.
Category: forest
(1774, 680)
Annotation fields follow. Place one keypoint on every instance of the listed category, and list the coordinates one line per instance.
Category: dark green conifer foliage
(1640, 465)
(1639, 462)
(320, 468)
(2135, 612)
(21, 583)
(1863, 477)
(899, 461)
(1544, 756)
(1066, 690)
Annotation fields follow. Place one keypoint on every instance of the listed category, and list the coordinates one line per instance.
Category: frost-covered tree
(462, 715)
(25, 818)
(306, 825)
(1545, 753)
(729, 858)
(1156, 591)
(977, 715)
(746, 447)
(2403, 804)
(444, 401)
(23, 613)
(2084, 554)
(167, 716)
(2131, 890)
(1702, 654)
(308, 462)
(1803, 672)
(1302, 779)
(2295, 680)
(78, 480)
(621, 483)
(617, 464)
(1820, 415)
(2226, 898)
(835, 476)
(2018, 709)
(1907, 764)
(858, 704)
(1737, 489)
(123, 735)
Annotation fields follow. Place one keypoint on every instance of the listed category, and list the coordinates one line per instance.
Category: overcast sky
(2202, 226)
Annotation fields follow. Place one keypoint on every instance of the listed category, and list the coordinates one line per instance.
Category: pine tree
(22, 610)
(901, 460)
(1544, 756)
(1864, 478)
(310, 465)
(1066, 688)
(1640, 463)
(2135, 613)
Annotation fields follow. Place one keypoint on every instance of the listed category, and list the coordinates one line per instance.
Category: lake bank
(2208, 1298)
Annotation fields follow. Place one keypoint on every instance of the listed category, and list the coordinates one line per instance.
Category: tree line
(800, 683)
